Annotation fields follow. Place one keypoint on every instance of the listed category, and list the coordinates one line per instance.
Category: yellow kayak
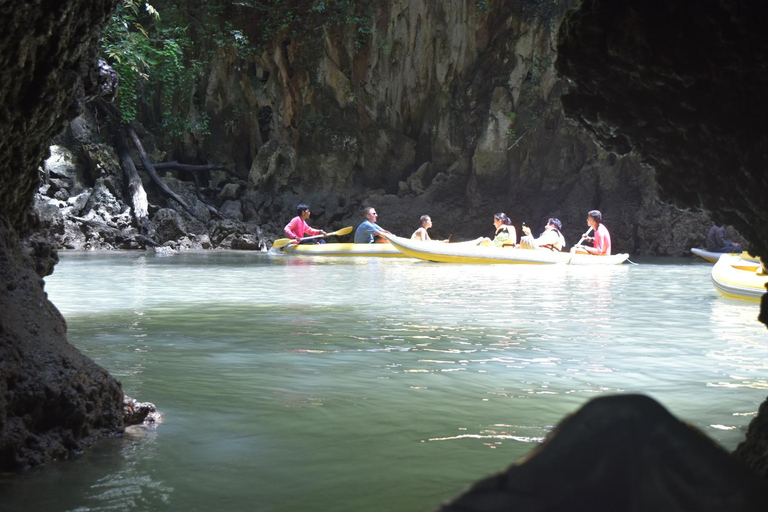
(704, 254)
(470, 252)
(712, 257)
(348, 249)
(739, 278)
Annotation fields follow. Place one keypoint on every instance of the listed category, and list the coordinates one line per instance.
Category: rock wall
(447, 108)
(53, 400)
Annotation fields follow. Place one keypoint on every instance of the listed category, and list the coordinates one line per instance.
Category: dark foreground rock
(54, 401)
(620, 453)
(754, 449)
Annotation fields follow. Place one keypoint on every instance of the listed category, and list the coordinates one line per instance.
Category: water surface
(332, 384)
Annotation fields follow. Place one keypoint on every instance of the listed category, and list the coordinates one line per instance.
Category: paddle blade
(281, 242)
(343, 231)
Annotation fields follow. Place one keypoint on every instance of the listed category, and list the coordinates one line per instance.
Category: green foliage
(155, 60)
(126, 46)
(512, 115)
(385, 45)
(161, 57)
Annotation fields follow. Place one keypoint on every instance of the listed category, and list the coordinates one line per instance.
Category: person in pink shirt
(298, 227)
(601, 242)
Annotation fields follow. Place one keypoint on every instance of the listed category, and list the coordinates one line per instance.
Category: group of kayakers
(550, 239)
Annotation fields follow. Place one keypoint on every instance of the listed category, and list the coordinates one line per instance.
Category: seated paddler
(368, 231)
(551, 239)
(298, 228)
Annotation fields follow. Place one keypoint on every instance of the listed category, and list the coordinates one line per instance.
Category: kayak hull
(470, 252)
(711, 257)
(737, 278)
(346, 249)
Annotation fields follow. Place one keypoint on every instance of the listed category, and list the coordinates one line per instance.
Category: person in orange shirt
(298, 227)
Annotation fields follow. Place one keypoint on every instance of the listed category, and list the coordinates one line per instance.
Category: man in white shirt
(551, 238)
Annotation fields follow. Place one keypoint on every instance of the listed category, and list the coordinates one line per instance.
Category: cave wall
(53, 400)
(685, 91)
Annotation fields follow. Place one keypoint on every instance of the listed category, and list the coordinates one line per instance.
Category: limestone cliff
(447, 108)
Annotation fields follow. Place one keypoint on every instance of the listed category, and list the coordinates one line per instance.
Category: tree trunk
(139, 200)
(153, 174)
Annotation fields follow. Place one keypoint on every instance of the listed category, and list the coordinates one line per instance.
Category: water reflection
(130, 486)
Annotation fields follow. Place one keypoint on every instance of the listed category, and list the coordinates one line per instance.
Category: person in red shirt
(601, 242)
(298, 227)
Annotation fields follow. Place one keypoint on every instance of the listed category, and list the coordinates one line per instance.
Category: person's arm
(380, 229)
(366, 232)
(313, 231)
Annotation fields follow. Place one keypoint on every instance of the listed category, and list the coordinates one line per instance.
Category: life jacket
(558, 246)
(505, 229)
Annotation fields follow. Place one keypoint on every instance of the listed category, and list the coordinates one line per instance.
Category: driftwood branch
(135, 186)
(150, 169)
(189, 167)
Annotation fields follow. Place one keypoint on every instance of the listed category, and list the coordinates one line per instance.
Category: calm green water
(290, 384)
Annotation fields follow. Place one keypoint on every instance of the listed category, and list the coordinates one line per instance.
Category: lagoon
(348, 384)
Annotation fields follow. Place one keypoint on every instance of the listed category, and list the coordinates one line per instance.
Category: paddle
(585, 235)
(282, 242)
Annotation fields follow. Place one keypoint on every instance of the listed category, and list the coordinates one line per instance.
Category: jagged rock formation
(84, 201)
(689, 100)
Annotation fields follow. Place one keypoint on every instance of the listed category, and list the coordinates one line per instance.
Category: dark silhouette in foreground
(620, 453)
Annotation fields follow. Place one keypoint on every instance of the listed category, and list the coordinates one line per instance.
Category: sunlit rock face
(53, 400)
(686, 89)
(448, 108)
